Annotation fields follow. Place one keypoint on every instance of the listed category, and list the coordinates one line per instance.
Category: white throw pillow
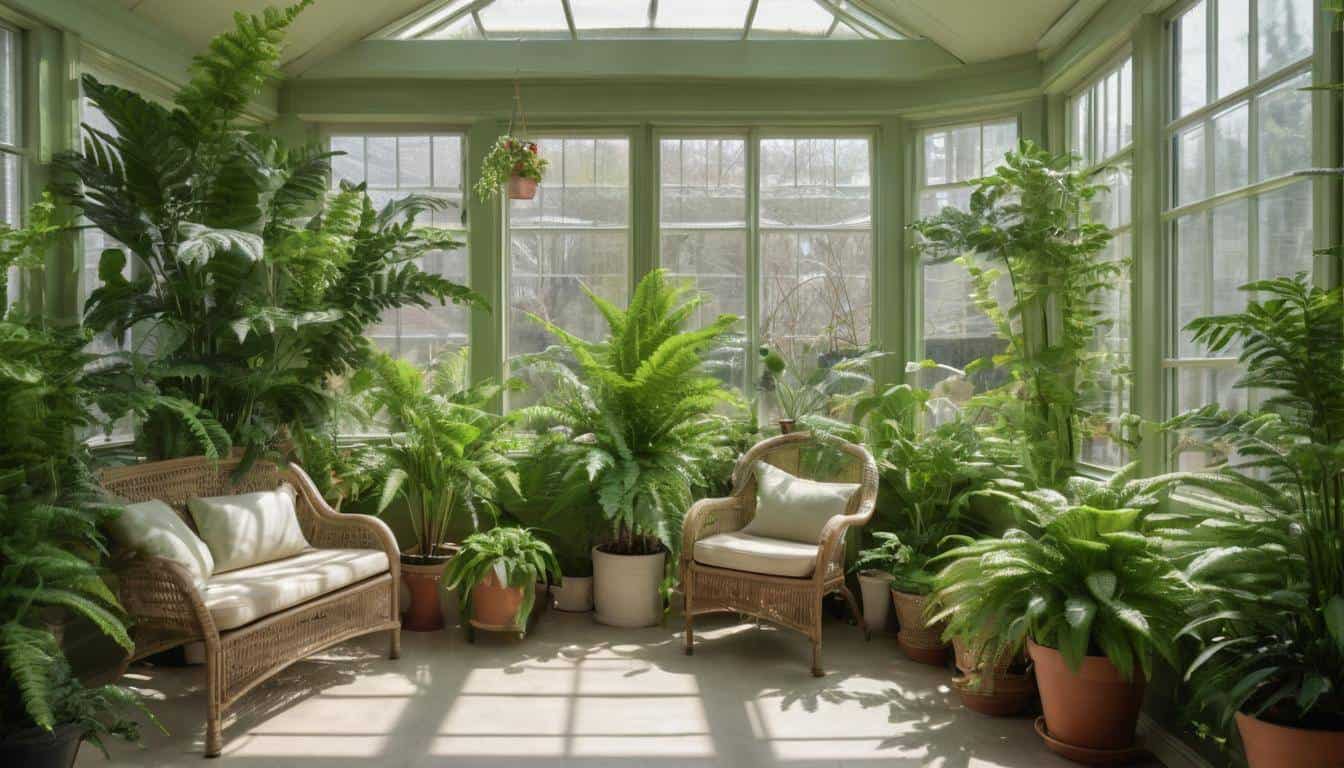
(795, 509)
(249, 528)
(153, 528)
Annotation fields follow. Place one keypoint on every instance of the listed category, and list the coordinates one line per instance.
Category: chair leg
(394, 644)
(854, 611)
(214, 731)
(688, 637)
(817, 671)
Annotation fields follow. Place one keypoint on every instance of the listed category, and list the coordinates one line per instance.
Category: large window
(575, 233)
(955, 330)
(1101, 135)
(703, 233)
(11, 151)
(394, 166)
(1240, 127)
(816, 248)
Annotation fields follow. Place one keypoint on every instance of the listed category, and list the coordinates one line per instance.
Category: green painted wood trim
(487, 259)
(1096, 41)
(663, 59)
(892, 273)
(1150, 292)
(644, 204)
(1328, 145)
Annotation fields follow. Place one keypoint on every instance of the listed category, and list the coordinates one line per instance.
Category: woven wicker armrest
(708, 517)
(831, 550)
(337, 530)
(160, 592)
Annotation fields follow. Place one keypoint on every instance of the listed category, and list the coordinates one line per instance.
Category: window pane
(1285, 128)
(1234, 45)
(1081, 129)
(608, 14)
(9, 58)
(1111, 345)
(793, 17)
(524, 18)
(1286, 231)
(1192, 281)
(1285, 33)
(1110, 115)
(1127, 103)
(9, 210)
(1231, 149)
(1191, 59)
(816, 247)
(1190, 173)
(572, 235)
(703, 234)
(952, 155)
(999, 139)
(1231, 257)
(398, 166)
(1199, 386)
(702, 14)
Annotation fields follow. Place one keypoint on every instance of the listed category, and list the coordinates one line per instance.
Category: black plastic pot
(37, 748)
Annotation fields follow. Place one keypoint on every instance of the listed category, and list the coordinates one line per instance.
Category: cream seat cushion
(152, 528)
(741, 551)
(249, 528)
(793, 508)
(242, 596)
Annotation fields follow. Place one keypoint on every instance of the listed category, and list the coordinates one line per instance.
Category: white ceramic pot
(625, 589)
(875, 589)
(574, 595)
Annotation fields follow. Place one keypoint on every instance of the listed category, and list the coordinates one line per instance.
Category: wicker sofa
(803, 575)
(356, 593)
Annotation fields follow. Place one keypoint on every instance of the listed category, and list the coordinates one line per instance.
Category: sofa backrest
(175, 481)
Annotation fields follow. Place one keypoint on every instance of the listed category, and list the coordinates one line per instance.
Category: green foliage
(25, 247)
(254, 283)
(804, 390)
(1028, 221)
(515, 556)
(447, 456)
(510, 156)
(642, 421)
(1269, 554)
(908, 568)
(1089, 582)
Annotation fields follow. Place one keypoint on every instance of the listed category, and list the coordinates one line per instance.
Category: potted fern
(495, 573)
(1268, 554)
(446, 460)
(513, 163)
(1093, 598)
(643, 425)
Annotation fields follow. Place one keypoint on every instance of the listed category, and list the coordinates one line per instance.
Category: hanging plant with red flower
(510, 158)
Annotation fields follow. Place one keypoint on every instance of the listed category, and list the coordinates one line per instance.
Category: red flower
(532, 148)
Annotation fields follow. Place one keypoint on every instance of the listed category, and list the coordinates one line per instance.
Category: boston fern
(517, 558)
(644, 419)
(1269, 553)
(1088, 582)
(1028, 221)
(253, 283)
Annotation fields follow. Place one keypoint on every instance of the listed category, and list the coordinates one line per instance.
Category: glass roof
(625, 19)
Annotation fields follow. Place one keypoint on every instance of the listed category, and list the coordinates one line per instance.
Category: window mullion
(753, 276)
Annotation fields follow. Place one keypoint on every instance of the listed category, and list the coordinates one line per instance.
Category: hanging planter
(513, 162)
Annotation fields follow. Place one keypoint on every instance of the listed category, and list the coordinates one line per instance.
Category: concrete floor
(578, 694)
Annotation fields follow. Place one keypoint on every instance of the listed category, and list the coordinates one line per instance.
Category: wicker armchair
(790, 602)
(168, 610)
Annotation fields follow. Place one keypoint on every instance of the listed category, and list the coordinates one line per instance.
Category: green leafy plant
(24, 247)
(906, 566)
(1269, 553)
(1028, 221)
(516, 557)
(802, 390)
(254, 283)
(448, 454)
(643, 422)
(510, 156)
(1090, 582)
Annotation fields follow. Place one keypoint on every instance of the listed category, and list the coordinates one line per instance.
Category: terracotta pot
(522, 188)
(625, 588)
(786, 426)
(1001, 695)
(574, 595)
(1280, 746)
(494, 604)
(874, 588)
(968, 661)
(39, 748)
(424, 613)
(1094, 708)
(920, 642)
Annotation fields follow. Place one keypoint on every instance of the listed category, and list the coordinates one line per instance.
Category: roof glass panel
(671, 19)
(702, 14)
(524, 18)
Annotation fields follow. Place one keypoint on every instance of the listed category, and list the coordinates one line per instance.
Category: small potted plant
(909, 583)
(447, 459)
(513, 163)
(1093, 598)
(496, 572)
(574, 593)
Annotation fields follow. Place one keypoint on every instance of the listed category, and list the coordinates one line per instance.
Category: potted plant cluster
(640, 423)
(1268, 555)
(496, 573)
(512, 163)
(447, 460)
